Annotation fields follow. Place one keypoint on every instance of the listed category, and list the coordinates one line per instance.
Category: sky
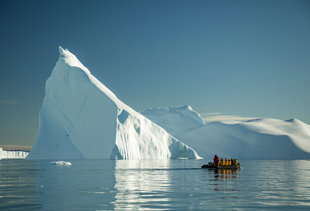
(240, 58)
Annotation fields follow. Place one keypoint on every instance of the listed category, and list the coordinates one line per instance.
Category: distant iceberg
(12, 154)
(82, 119)
(253, 139)
(262, 138)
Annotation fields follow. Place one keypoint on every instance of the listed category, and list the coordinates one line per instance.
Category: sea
(153, 185)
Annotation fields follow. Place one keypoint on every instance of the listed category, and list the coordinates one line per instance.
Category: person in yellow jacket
(235, 161)
(226, 162)
(221, 162)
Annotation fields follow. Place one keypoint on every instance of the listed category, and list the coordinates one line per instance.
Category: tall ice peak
(82, 119)
(70, 59)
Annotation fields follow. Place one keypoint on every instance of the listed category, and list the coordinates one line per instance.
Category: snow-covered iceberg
(175, 120)
(82, 119)
(12, 154)
(253, 139)
(262, 138)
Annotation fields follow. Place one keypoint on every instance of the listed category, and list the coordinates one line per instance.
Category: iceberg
(61, 163)
(82, 119)
(175, 120)
(12, 154)
(261, 138)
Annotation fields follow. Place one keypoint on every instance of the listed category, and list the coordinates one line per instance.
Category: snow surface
(82, 119)
(175, 120)
(262, 138)
(12, 154)
(254, 139)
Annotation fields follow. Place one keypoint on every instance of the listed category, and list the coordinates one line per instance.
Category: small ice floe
(61, 163)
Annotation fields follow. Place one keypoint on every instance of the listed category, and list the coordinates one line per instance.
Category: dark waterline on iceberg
(153, 185)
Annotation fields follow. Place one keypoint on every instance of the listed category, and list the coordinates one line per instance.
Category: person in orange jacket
(216, 160)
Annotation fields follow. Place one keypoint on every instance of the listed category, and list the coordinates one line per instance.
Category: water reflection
(153, 185)
(142, 184)
(226, 173)
(225, 179)
(87, 184)
(18, 185)
(277, 183)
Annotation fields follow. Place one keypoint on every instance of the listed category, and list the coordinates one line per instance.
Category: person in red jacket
(216, 160)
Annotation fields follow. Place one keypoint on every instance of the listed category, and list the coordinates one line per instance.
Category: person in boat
(222, 162)
(236, 162)
(216, 160)
(226, 162)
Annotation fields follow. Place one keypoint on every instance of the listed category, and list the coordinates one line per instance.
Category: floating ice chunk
(61, 163)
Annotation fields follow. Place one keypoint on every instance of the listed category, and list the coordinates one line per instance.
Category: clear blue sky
(246, 58)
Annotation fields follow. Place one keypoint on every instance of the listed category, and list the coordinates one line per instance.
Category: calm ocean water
(153, 185)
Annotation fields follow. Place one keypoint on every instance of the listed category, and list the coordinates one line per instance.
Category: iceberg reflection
(142, 184)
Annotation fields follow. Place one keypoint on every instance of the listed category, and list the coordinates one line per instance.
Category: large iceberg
(261, 138)
(253, 139)
(82, 119)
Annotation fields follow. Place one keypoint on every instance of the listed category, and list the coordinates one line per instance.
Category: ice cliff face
(12, 154)
(139, 138)
(82, 119)
(253, 139)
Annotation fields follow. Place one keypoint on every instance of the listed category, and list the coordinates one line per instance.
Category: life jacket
(222, 162)
(216, 159)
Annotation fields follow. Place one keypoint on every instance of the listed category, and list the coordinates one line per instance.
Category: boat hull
(234, 167)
